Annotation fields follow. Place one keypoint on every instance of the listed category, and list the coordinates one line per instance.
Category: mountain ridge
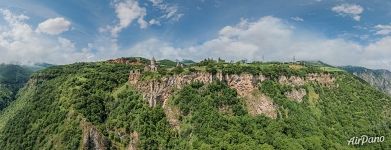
(99, 106)
(379, 78)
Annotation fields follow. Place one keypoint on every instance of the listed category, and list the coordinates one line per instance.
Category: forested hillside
(206, 105)
(12, 78)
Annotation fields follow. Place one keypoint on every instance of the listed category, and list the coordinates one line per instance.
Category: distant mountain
(38, 66)
(167, 63)
(188, 62)
(379, 78)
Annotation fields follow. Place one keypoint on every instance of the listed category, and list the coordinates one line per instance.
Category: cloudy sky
(338, 32)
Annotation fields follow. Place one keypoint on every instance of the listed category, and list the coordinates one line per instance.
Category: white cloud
(153, 47)
(54, 26)
(19, 43)
(170, 11)
(154, 21)
(378, 54)
(297, 19)
(274, 39)
(383, 29)
(11, 18)
(128, 11)
(269, 36)
(351, 10)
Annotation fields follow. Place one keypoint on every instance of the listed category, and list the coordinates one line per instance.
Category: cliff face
(157, 92)
(297, 94)
(92, 139)
(381, 79)
(323, 79)
(87, 106)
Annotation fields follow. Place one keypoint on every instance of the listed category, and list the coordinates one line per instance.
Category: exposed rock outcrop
(133, 144)
(157, 92)
(323, 79)
(379, 78)
(92, 139)
(293, 80)
(258, 103)
(172, 114)
(296, 95)
(244, 84)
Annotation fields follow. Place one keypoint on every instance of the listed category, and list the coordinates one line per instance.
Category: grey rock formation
(381, 79)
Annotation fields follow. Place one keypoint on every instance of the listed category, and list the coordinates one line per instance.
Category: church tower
(153, 65)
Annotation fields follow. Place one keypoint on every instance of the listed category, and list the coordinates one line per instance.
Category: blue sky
(339, 32)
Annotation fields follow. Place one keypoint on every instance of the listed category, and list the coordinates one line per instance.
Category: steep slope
(380, 79)
(207, 105)
(12, 78)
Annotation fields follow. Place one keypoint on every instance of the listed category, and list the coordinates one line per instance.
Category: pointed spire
(153, 66)
(153, 61)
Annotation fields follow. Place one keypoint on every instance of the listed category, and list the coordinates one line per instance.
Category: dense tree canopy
(12, 78)
(52, 109)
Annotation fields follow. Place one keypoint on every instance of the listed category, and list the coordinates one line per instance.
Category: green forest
(57, 104)
(12, 78)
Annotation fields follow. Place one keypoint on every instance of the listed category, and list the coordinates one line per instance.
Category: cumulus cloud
(54, 26)
(19, 43)
(351, 10)
(274, 39)
(127, 12)
(268, 37)
(383, 29)
(130, 11)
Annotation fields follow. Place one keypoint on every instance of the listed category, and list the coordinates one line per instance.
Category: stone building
(134, 76)
(152, 66)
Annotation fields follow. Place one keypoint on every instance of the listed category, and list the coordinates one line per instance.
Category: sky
(338, 32)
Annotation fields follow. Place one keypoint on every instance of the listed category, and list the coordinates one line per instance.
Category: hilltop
(145, 104)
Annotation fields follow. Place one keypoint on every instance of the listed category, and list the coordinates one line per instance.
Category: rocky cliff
(92, 138)
(157, 92)
(381, 79)
(102, 106)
